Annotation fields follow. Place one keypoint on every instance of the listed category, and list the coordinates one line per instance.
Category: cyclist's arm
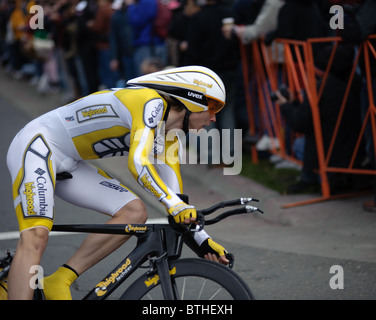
(200, 242)
(143, 169)
(168, 163)
(140, 163)
(203, 245)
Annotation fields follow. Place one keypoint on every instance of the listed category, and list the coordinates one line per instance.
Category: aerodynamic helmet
(197, 88)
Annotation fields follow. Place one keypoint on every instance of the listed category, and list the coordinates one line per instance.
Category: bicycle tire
(220, 277)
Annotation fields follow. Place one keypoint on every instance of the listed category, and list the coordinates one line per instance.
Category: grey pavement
(283, 253)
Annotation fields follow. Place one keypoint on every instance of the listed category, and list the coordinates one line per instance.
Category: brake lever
(193, 227)
(231, 258)
(200, 223)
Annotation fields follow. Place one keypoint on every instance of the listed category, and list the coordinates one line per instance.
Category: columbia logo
(40, 171)
(151, 120)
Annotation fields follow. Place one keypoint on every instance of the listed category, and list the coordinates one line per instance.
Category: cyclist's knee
(34, 239)
(133, 212)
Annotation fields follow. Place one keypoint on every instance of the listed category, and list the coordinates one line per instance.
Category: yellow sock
(3, 290)
(57, 285)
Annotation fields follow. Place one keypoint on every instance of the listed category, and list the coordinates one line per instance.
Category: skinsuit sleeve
(147, 109)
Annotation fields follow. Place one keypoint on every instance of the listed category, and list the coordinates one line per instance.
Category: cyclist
(47, 158)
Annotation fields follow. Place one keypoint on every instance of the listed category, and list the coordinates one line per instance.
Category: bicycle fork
(159, 266)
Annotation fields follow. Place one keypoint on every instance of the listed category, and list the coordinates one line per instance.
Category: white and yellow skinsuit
(110, 123)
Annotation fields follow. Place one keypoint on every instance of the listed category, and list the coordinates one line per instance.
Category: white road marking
(14, 235)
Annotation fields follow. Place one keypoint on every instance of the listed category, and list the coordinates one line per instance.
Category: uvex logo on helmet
(195, 95)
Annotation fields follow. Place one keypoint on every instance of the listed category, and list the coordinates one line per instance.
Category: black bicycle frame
(157, 242)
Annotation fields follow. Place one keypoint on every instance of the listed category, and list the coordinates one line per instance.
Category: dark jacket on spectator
(207, 45)
(298, 20)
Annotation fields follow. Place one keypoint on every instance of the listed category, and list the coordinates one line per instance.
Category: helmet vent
(178, 76)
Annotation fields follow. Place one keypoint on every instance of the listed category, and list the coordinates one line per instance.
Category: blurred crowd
(85, 46)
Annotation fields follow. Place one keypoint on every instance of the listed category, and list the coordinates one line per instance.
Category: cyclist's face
(198, 120)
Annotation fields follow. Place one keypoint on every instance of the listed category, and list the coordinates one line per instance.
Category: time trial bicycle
(159, 249)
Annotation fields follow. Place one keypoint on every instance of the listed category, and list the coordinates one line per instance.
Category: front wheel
(192, 279)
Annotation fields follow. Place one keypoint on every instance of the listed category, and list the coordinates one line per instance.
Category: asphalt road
(282, 255)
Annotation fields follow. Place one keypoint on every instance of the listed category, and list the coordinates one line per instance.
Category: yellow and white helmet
(198, 88)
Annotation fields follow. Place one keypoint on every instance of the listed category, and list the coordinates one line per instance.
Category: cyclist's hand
(215, 252)
(213, 257)
(183, 213)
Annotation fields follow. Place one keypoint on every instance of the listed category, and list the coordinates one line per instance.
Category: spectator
(49, 81)
(254, 20)
(100, 26)
(86, 41)
(362, 25)
(5, 11)
(69, 40)
(141, 15)
(121, 42)
(150, 65)
(178, 31)
(16, 33)
(246, 11)
(298, 20)
(208, 47)
(299, 118)
(55, 17)
(265, 22)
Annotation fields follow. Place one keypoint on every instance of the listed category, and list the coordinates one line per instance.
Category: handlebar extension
(243, 210)
(225, 204)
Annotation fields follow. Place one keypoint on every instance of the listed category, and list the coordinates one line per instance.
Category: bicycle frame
(156, 242)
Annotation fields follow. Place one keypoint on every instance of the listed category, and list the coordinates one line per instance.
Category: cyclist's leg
(32, 169)
(98, 246)
(94, 248)
(94, 189)
(29, 252)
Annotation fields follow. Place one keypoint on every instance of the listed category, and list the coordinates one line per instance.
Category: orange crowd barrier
(298, 72)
